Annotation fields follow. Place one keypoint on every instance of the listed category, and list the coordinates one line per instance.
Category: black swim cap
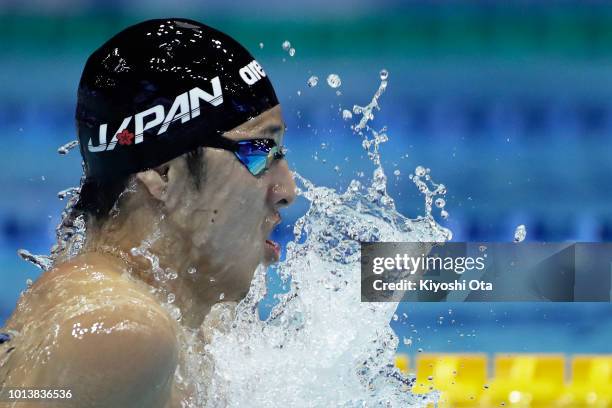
(162, 88)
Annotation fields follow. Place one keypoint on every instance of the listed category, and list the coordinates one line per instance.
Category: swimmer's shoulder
(86, 271)
(104, 338)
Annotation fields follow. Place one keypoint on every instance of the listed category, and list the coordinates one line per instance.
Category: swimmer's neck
(140, 238)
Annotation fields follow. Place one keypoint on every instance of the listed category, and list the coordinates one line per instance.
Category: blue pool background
(509, 105)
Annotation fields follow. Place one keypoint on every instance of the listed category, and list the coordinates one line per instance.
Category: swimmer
(181, 135)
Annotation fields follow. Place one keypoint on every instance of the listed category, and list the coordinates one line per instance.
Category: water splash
(321, 346)
(287, 47)
(425, 184)
(65, 149)
(161, 275)
(305, 355)
(367, 111)
(313, 81)
(520, 233)
(334, 81)
(70, 233)
(68, 192)
(40, 261)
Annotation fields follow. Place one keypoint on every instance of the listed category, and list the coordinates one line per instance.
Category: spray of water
(70, 232)
(66, 148)
(321, 346)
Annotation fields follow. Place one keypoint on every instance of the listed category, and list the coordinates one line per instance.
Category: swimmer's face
(229, 217)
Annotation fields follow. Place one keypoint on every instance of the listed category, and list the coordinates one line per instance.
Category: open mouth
(273, 248)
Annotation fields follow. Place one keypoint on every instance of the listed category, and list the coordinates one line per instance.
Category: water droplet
(334, 81)
(67, 192)
(261, 45)
(291, 52)
(175, 313)
(313, 81)
(286, 45)
(299, 93)
(64, 149)
(520, 233)
(397, 172)
(222, 296)
(41, 261)
(171, 274)
(346, 114)
(191, 270)
(420, 171)
(444, 214)
(171, 297)
(384, 74)
(440, 203)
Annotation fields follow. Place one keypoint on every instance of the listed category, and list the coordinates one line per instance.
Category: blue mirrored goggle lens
(255, 163)
(257, 155)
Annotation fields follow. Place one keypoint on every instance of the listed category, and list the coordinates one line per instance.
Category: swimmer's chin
(269, 261)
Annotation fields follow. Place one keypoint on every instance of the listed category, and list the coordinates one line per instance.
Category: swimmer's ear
(155, 181)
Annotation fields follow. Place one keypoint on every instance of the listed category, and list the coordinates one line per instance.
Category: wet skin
(92, 325)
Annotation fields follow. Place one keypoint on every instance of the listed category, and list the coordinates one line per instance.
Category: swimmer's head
(178, 118)
(160, 89)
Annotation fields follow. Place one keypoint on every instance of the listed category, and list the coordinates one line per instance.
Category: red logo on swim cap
(125, 137)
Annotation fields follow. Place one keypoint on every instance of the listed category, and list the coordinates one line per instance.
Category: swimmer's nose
(282, 187)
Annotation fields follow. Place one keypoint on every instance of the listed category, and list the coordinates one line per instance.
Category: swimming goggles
(257, 155)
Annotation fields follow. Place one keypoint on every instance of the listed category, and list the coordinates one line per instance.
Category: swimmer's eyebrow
(275, 132)
(272, 130)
